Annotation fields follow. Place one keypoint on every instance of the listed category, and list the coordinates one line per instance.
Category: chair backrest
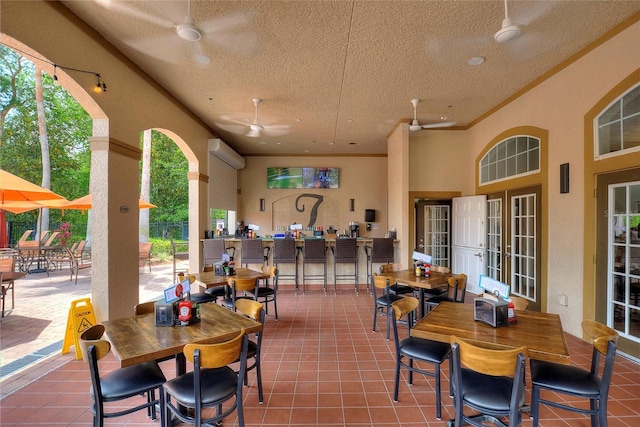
(315, 251)
(440, 269)
(145, 248)
(217, 355)
(242, 284)
(458, 284)
(403, 307)
(25, 235)
(346, 250)
(43, 236)
(212, 250)
(7, 264)
(488, 361)
(53, 236)
(382, 249)
(144, 308)
(519, 303)
(252, 251)
(284, 250)
(386, 268)
(605, 340)
(80, 248)
(93, 337)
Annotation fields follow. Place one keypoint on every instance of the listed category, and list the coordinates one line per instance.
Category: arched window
(617, 128)
(516, 155)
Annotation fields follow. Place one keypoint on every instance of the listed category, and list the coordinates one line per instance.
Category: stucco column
(114, 250)
(398, 191)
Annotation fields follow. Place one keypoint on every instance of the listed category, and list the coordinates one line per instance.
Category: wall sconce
(262, 205)
(352, 205)
(564, 178)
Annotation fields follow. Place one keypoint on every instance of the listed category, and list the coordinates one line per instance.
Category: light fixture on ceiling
(476, 60)
(188, 30)
(509, 31)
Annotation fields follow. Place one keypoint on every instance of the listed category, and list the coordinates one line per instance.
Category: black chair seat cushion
(423, 349)
(400, 289)
(202, 297)
(265, 291)
(439, 298)
(563, 378)
(228, 302)
(217, 291)
(131, 381)
(383, 300)
(217, 384)
(484, 392)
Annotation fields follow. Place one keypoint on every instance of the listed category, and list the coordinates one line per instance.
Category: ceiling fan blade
(439, 125)
(276, 130)
(233, 128)
(132, 12)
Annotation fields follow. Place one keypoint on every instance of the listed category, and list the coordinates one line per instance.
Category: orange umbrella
(17, 207)
(84, 203)
(16, 189)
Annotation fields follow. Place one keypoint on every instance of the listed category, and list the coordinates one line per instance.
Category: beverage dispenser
(354, 229)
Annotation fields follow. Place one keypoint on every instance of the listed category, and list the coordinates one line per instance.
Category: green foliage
(161, 249)
(169, 183)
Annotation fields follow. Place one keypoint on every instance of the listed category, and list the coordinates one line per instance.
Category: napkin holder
(492, 312)
(165, 313)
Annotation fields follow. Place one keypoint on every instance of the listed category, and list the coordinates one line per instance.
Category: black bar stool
(345, 251)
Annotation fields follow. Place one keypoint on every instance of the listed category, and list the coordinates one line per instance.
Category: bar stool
(345, 251)
(253, 252)
(286, 252)
(314, 251)
(212, 251)
(380, 251)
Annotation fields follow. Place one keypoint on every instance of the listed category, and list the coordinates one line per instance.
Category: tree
(43, 222)
(145, 184)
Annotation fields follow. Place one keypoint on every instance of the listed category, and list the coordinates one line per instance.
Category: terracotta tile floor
(322, 365)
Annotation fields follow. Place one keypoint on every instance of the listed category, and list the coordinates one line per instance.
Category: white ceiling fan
(416, 126)
(256, 127)
(188, 29)
(509, 30)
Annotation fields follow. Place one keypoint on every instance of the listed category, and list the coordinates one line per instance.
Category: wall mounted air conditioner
(225, 153)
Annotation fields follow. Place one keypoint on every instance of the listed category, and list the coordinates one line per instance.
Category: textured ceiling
(337, 76)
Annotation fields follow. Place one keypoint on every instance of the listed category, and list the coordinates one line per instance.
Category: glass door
(436, 233)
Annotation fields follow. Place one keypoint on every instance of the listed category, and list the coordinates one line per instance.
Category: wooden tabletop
(209, 279)
(409, 278)
(10, 276)
(541, 332)
(137, 339)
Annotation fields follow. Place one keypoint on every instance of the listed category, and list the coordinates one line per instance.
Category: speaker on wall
(369, 215)
(564, 178)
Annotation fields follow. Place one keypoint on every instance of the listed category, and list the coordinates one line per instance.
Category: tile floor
(322, 365)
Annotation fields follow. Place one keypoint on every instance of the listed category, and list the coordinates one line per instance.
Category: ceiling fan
(415, 126)
(256, 128)
(188, 29)
(509, 30)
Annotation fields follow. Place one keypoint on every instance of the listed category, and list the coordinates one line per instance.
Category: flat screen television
(303, 178)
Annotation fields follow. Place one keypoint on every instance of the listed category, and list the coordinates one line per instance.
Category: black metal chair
(211, 384)
(456, 291)
(268, 292)
(396, 288)
(345, 251)
(285, 251)
(201, 297)
(253, 252)
(236, 284)
(380, 251)
(491, 384)
(314, 251)
(576, 381)
(383, 302)
(119, 384)
(417, 349)
(254, 310)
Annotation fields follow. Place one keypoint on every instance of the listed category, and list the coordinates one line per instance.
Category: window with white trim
(516, 155)
(618, 126)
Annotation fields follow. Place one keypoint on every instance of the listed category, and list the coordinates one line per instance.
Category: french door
(618, 257)
(514, 241)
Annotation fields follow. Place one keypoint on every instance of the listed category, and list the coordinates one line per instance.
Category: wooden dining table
(209, 279)
(137, 339)
(408, 277)
(541, 333)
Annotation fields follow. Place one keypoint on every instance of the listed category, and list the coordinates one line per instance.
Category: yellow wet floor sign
(81, 317)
